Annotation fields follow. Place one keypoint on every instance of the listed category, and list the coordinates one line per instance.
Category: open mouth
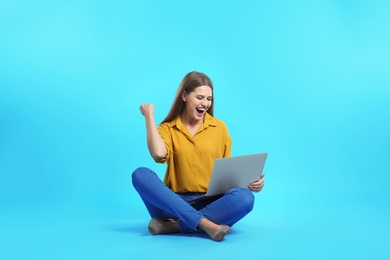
(200, 111)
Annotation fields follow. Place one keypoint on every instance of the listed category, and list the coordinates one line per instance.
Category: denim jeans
(162, 202)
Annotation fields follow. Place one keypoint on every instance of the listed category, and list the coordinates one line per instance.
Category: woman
(189, 139)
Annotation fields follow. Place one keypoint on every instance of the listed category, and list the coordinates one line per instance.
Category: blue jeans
(162, 202)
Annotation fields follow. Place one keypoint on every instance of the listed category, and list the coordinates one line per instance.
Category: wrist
(149, 117)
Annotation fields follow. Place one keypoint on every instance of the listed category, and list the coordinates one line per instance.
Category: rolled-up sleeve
(227, 149)
(167, 138)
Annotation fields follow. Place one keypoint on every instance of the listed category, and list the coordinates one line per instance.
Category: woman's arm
(156, 144)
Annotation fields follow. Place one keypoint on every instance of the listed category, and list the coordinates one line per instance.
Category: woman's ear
(184, 96)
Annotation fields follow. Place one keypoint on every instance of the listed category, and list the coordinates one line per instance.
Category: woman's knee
(245, 198)
(249, 198)
(140, 174)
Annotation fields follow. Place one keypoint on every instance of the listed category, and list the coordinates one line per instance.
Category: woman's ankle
(215, 231)
(160, 226)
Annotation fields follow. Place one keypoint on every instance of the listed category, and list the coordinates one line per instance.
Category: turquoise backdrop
(306, 81)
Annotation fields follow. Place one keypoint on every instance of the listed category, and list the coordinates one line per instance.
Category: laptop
(234, 172)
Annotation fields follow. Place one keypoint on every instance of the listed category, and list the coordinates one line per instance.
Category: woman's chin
(199, 116)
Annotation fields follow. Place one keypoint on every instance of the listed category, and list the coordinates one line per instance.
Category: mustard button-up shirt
(190, 159)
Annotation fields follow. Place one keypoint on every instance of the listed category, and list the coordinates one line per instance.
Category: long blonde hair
(190, 81)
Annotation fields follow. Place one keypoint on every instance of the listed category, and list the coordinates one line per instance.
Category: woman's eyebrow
(200, 95)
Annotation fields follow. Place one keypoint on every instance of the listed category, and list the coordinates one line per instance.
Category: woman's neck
(191, 124)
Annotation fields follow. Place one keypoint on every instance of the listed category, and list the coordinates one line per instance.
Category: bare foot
(160, 226)
(215, 231)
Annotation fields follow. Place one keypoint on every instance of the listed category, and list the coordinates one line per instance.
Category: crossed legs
(172, 214)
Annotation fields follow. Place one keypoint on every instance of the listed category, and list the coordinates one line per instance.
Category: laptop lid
(235, 172)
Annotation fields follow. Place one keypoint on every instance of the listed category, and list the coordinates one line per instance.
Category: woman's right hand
(147, 109)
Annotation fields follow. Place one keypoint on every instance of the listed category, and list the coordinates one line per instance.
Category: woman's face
(198, 102)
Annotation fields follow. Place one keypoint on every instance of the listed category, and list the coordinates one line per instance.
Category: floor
(270, 231)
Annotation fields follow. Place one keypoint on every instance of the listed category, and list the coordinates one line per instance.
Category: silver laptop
(234, 172)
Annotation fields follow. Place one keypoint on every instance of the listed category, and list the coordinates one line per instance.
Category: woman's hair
(191, 81)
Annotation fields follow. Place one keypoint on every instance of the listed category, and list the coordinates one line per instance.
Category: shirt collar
(208, 121)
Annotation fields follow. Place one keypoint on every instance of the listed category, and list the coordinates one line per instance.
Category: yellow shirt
(191, 159)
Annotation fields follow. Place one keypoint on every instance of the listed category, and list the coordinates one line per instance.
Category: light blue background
(306, 81)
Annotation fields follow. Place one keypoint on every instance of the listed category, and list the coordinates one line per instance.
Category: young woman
(189, 140)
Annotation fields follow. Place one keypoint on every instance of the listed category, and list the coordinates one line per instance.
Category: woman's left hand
(257, 185)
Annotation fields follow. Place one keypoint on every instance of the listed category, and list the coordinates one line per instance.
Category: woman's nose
(204, 104)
